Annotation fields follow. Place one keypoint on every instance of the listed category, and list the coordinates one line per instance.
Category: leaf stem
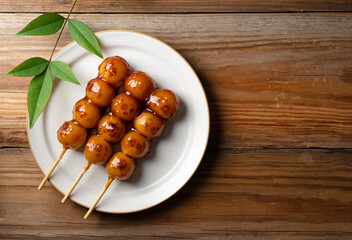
(62, 29)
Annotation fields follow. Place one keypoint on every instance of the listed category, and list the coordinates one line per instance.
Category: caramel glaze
(124, 108)
(86, 113)
(111, 128)
(72, 135)
(120, 166)
(134, 144)
(164, 103)
(99, 94)
(140, 93)
(140, 85)
(97, 150)
(114, 70)
(149, 124)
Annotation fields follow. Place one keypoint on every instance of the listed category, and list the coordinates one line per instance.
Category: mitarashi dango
(149, 124)
(100, 92)
(125, 107)
(140, 85)
(86, 113)
(120, 166)
(114, 70)
(111, 128)
(134, 144)
(97, 150)
(71, 135)
(164, 103)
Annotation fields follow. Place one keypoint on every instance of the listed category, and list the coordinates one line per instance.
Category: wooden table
(278, 78)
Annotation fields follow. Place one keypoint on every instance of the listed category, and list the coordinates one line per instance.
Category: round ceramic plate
(174, 155)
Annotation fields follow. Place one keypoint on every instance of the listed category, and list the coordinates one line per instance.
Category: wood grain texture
(279, 85)
(272, 80)
(13, 119)
(172, 6)
(236, 194)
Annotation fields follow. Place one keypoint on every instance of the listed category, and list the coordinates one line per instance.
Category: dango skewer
(125, 107)
(163, 104)
(86, 113)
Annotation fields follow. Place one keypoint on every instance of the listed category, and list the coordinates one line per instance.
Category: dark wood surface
(279, 160)
(176, 6)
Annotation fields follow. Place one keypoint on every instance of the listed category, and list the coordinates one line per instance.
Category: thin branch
(62, 29)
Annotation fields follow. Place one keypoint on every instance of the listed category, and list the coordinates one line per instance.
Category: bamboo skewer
(99, 197)
(84, 170)
(52, 168)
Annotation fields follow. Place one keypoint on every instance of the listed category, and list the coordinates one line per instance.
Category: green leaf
(30, 67)
(63, 71)
(39, 92)
(81, 33)
(46, 24)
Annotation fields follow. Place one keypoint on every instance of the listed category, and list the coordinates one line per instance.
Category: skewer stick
(99, 197)
(52, 168)
(85, 168)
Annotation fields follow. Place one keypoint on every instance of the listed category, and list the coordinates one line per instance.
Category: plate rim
(207, 134)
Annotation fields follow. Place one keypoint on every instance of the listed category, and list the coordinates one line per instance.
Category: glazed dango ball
(86, 113)
(164, 103)
(111, 128)
(134, 144)
(97, 150)
(72, 135)
(149, 124)
(100, 92)
(120, 166)
(114, 70)
(125, 107)
(140, 85)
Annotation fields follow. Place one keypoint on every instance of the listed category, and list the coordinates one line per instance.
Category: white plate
(174, 156)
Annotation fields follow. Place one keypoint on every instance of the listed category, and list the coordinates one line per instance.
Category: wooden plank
(272, 80)
(13, 119)
(172, 6)
(268, 194)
